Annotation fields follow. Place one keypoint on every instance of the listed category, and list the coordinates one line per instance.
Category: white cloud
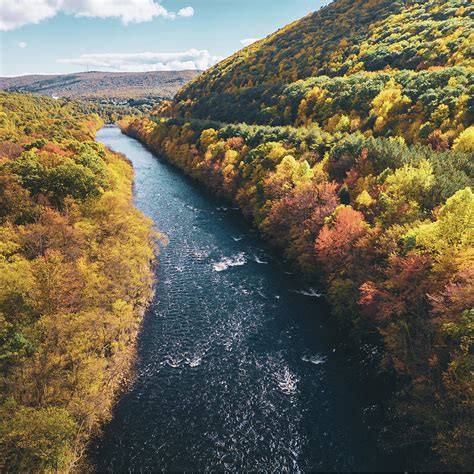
(141, 62)
(128, 11)
(16, 13)
(249, 41)
(186, 12)
(22, 44)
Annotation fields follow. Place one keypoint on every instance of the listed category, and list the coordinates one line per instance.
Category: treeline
(431, 107)
(108, 112)
(389, 230)
(75, 277)
(111, 113)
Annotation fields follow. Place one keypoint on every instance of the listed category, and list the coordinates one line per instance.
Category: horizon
(96, 71)
(139, 36)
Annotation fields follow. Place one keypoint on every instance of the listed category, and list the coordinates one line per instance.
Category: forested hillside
(75, 276)
(385, 68)
(430, 107)
(348, 139)
(346, 37)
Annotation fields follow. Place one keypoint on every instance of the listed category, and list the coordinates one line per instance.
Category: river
(237, 366)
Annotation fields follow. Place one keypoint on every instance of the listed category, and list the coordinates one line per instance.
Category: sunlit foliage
(345, 38)
(74, 279)
(387, 224)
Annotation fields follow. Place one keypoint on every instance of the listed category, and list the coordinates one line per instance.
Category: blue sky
(62, 36)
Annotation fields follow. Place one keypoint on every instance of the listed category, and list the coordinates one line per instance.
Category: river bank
(237, 367)
(75, 275)
(373, 219)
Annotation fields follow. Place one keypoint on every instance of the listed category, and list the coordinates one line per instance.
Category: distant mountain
(102, 85)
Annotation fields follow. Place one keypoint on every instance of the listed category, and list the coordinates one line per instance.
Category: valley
(266, 265)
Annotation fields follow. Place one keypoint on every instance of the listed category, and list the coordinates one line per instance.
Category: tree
(336, 242)
(405, 193)
(453, 229)
(39, 437)
(389, 102)
(465, 141)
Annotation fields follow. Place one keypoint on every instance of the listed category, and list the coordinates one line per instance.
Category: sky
(66, 36)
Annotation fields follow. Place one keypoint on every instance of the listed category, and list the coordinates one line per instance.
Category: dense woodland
(362, 172)
(430, 107)
(75, 276)
(111, 113)
(347, 138)
(346, 37)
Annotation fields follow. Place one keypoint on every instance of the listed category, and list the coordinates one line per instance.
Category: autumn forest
(346, 140)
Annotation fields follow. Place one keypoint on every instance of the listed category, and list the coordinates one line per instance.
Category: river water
(238, 368)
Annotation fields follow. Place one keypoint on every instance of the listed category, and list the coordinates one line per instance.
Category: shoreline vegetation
(395, 263)
(75, 279)
(346, 138)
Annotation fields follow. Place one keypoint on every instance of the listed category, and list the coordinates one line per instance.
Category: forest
(346, 37)
(430, 107)
(347, 138)
(387, 228)
(75, 276)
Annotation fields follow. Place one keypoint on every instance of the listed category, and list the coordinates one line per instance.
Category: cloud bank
(16, 13)
(142, 62)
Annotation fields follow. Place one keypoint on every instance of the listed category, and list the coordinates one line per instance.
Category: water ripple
(235, 369)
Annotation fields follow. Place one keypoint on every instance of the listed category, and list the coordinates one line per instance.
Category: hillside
(349, 36)
(338, 60)
(347, 138)
(102, 85)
